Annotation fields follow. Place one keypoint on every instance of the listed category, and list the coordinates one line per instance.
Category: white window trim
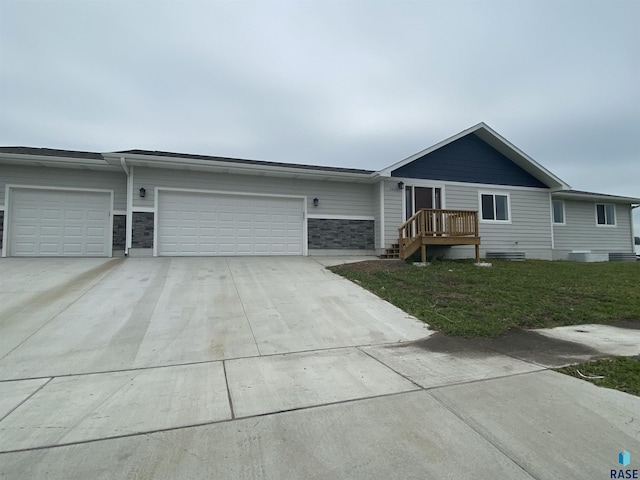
(564, 213)
(605, 225)
(494, 193)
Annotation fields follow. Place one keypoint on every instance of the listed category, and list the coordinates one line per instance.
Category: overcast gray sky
(344, 83)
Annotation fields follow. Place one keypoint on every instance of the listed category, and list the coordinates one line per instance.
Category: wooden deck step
(392, 252)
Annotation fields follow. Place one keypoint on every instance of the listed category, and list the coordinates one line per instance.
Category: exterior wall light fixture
(400, 185)
(143, 192)
(316, 202)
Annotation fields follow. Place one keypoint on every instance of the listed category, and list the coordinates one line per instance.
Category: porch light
(143, 192)
(400, 185)
(316, 202)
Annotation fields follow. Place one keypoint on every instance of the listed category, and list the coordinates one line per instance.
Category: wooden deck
(438, 227)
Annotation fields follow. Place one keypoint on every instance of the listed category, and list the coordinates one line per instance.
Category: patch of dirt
(373, 266)
(630, 324)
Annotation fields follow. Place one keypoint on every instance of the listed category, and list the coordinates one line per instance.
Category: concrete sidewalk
(136, 372)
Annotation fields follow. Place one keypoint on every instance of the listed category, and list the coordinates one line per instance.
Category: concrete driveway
(271, 368)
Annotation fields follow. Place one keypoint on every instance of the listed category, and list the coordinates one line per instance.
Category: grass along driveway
(620, 373)
(459, 298)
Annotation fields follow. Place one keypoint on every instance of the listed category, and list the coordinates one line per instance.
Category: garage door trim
(7, 210)
(158, 190)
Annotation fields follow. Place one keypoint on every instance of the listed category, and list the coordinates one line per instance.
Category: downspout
(129, 219)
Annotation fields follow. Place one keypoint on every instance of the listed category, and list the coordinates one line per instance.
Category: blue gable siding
(468, 159)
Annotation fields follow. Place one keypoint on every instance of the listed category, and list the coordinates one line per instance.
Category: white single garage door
(59, 223)
(191, 223)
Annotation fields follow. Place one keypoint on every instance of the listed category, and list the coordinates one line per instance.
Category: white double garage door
(42, 222)
(202, 223)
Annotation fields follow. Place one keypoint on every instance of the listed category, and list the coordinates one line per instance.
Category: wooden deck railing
(437, 226)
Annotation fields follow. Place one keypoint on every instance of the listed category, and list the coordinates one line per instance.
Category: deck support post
(423, 251)
(477, 253)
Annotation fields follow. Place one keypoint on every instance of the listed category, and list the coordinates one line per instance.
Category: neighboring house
(476, 186)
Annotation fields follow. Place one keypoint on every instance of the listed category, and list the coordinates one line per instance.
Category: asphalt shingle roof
(245, 162)
(50, 152)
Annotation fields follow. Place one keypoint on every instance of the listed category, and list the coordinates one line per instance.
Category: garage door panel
(25, 230)
(56, 222)
(96, 215)
(74, 215)
(95, 232)
(68, 231)
(226, 248)
(208, 216)
(192, 223)
(26, 213)
(95, 249)
(51, 214)
(49, 249)
(72, 249)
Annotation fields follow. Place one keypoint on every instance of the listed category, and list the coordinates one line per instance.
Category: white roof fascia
(594, 196)
(484, 132)
(54, 161)
(233, 167)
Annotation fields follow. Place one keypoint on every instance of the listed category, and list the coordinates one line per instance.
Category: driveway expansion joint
(482, 434)
(390, 368)
(226, 381)
(204, 424)
(26, 399)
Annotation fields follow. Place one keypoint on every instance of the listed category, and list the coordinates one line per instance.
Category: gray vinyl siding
(529, 230)
(393, 217)
(65, 178)
(581, 232)
(335, 198)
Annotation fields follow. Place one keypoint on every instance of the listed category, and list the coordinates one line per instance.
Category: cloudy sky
(344, 83)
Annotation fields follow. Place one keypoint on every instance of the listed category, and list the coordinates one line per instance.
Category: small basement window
(558, 212)
(605, 214)
(494, 207)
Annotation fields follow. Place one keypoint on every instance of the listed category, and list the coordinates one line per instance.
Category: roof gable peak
(497, 142)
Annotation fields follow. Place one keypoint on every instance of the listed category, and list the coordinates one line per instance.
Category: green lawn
(620, 373)
(459, 298)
